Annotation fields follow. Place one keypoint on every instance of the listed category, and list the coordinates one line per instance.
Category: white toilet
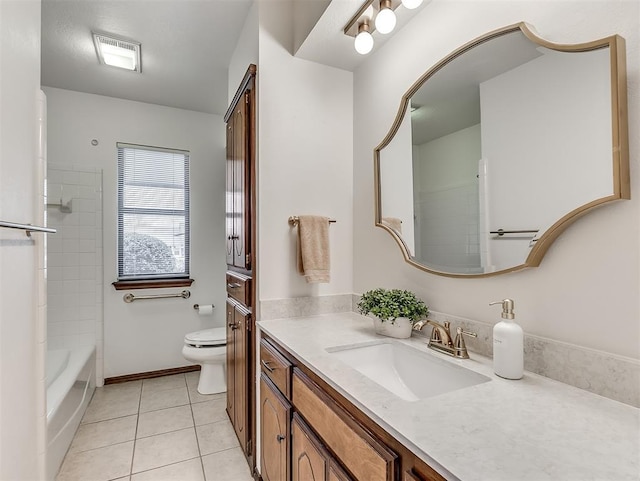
(209, 349)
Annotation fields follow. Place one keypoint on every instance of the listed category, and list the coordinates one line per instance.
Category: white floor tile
(164, 421)
(113, 401)
(229, 465)
(185, 471)
(167, 398)
(163, 449)
(104, 433)
(216, 437)
(210, 411)
(162, 383)
(160, 412)
(100, 464)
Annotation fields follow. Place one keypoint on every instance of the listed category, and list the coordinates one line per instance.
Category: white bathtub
(70, 385)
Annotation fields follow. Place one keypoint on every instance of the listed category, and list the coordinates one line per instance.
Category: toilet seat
(216, 336)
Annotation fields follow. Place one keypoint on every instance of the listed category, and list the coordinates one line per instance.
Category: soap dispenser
(508, 344)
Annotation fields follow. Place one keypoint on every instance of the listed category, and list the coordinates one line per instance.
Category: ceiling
(186, 45)
(186, 49)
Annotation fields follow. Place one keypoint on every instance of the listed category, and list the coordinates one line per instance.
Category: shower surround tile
(73, 254)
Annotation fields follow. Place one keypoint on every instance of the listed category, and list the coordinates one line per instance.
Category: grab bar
(128, 298)
(26, 227)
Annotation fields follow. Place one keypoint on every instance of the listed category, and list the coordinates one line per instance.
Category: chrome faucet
(441, 338)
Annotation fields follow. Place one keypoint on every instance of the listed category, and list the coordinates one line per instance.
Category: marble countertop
(530, 429)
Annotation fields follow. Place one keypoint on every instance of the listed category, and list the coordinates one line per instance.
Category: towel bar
(26, 227)
(293, 220)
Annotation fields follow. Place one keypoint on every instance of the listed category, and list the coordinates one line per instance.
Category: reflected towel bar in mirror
(501, 232)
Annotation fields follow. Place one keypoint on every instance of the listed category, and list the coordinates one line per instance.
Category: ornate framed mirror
(499, 147)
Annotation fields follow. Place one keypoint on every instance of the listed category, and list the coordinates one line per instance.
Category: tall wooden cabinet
(240, 254)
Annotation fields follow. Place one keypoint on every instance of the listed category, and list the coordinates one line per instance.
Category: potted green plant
(393, 311)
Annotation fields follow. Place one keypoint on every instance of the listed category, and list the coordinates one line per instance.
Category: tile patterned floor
(158, 429)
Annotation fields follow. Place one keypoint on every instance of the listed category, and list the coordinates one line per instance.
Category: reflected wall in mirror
(499, 147)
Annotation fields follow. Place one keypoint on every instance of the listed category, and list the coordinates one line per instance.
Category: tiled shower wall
(74, 260)
(447, 227)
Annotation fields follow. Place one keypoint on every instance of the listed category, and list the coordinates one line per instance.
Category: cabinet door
(231, 390)
(309, 459)
(229, 207)
(240, 373)
(275, 413)
(336, 473)
(240, 162)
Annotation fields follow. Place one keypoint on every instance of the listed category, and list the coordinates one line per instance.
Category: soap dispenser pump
(508, 344)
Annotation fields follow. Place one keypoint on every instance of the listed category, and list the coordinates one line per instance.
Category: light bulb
(364, 40)
(364, 43)
(386, 19)
(411, 4)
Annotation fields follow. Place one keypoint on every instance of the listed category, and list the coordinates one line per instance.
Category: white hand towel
(313, 248)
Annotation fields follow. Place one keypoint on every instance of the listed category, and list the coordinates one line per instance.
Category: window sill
(151, 284)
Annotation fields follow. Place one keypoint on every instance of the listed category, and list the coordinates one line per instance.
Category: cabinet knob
(280, 438)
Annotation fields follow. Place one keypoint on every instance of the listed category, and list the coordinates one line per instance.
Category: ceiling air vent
(118, 53)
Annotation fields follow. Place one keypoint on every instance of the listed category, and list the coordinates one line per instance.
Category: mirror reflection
(498, 148)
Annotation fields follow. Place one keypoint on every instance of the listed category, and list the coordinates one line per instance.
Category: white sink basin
(407, 372)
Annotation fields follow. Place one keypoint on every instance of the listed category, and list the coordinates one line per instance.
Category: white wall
(521, 146)
(246, 51)
(589, 279)
(22, 342)
(396, 187)
(305, 159)
(148, 335)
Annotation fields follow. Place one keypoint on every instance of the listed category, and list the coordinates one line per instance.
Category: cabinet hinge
(249, 447)
(247, 261)
(249, 323)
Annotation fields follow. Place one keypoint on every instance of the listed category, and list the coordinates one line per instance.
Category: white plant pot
(401, 328)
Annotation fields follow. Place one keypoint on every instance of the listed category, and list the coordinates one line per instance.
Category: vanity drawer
(239, 287)
(363, 455)
(276, 367)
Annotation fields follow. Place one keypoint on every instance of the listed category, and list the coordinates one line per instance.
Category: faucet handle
(459, 344)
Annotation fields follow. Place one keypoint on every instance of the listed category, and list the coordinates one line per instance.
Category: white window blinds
(153, 213)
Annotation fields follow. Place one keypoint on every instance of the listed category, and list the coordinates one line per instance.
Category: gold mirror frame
(620, 141)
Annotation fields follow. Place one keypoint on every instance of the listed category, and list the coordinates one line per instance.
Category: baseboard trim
(150, 374)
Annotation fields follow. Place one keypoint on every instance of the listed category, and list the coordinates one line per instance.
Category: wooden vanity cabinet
(331, 440)
(309, 457)
(336, 473)
(275, 416)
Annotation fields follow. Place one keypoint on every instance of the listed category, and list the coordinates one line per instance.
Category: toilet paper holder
(197, 306)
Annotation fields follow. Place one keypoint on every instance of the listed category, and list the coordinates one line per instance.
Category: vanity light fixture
(117, 52)
(386, 18)
(411, 4)
(375, 15)
(364, 40)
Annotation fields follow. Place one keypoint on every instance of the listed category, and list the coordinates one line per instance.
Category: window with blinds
(153, 213)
